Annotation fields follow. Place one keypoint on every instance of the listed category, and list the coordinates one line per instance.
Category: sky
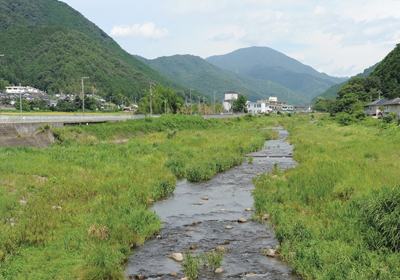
(340, 38)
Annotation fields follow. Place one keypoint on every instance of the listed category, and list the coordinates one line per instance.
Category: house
(372, 109)
(230, 96)
(268, 106)
(392, 106)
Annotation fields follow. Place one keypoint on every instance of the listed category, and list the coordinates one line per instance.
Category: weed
(251, 159)
(191, 265)
(214, 260)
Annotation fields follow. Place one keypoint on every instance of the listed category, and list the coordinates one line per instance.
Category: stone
(223, 210)
(193, 247)
(242, 220)
(266, 217)
(270, 253)
(177, 257)
(198, 203)
(57, 207)
(159, 237)
(174, 274)
(221, 249)
(184, 278)
(219, 271)
(151, 200)
(206, 198)
(248, 209)
(229, 227)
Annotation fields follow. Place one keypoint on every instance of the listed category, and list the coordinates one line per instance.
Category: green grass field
(337, 214)
(74, 210)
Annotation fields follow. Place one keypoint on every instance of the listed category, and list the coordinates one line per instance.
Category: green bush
(380, 216)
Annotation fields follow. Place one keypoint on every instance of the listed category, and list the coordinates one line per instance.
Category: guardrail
(88, 118)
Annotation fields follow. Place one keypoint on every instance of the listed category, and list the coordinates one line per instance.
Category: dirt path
(188, 220)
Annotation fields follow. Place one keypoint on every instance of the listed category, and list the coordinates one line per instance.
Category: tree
(240, 105)
(25, 105)
(324, 105)
(160, 94)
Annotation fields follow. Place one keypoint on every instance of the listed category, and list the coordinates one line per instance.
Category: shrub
(380, 215)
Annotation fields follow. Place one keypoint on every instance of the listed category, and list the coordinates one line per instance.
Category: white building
(268, 106)
(230, 96)
(18, 89)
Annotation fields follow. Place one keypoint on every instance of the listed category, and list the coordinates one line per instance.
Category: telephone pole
(1, 55)
(151, 100)
(83, 95)
(214, 102)
(190, 101)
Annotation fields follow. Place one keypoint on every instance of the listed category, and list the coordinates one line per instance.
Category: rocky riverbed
(201, 217)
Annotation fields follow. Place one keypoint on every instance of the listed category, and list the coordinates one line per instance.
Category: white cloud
(148, 30)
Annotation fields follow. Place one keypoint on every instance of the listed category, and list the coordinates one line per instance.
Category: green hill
(388, 72)
(333, 90)
(207, 78)
(49, 45)
(267, 64)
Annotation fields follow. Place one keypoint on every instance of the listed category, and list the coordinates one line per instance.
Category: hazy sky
(340, 38)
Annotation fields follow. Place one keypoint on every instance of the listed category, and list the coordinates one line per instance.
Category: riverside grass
(73, 211)
(337, 214)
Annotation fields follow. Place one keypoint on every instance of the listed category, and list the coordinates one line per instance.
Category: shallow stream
(190, 221)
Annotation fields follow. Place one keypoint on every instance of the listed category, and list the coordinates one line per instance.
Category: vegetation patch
(75, 210)
(337, 213)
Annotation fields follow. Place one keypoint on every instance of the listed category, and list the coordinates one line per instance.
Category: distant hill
(207, 78)
(333, 90)
(49, 45)
(268, 64)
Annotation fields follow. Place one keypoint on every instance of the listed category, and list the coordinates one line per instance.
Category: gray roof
(395, 101)
(377, 102)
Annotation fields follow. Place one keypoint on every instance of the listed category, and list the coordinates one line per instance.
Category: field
(75, 210)
(337, 213)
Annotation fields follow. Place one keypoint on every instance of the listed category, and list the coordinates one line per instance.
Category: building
(372, 109)
(230, 96)
(268, 106)
(392, 106)
(20, 89)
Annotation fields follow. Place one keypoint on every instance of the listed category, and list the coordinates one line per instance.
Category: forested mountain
(207, 78)
(49, 45)
(388, 74)
(333, 90)
(267, 64)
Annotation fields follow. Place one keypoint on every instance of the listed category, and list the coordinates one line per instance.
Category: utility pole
(214, 102)
(199, 105)
(190, 101)
(1, 55)
(165, 100)
(83, 95)
(151, 100)
(110, 102)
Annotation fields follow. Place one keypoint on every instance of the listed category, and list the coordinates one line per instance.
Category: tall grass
(337, 213)
(75, 210)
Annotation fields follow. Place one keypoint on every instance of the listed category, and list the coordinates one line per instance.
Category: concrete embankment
(26, 135)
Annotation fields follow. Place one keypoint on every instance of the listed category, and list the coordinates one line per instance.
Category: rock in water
(270, 253)
(229, 227)
(219, 270)
(242, 220)
(177, 256)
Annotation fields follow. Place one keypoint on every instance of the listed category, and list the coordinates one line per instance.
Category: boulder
(266, 217)
(242, 220)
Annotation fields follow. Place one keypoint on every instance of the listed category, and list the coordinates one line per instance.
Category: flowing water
(190, 221)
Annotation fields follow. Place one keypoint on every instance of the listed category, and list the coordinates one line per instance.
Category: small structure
(230, 96)
(372, 109)
(268, 106)
(392, 106)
